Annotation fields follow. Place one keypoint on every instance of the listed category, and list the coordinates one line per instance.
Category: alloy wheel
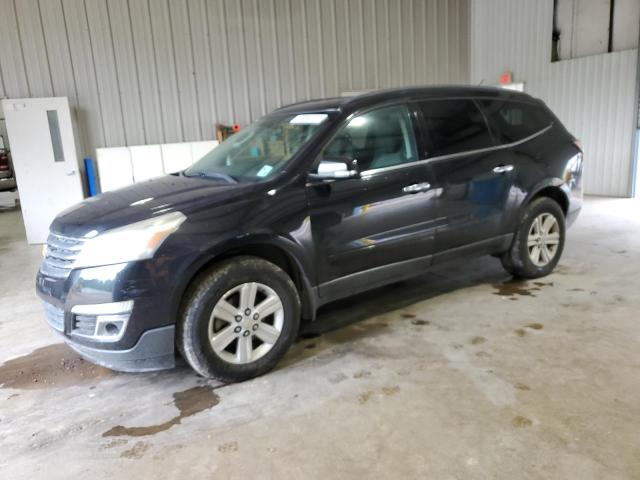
(543, 239)
(246, 323)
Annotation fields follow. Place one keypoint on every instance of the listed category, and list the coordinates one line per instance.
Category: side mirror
(336, 168)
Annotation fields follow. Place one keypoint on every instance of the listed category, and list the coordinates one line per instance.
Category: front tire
(538, 242)
(238, 319)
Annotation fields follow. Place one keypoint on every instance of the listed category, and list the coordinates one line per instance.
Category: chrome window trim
(451, 156)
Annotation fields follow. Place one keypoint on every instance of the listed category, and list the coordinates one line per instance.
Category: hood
(143, 200)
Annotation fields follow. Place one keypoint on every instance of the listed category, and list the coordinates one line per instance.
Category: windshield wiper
(213, 175)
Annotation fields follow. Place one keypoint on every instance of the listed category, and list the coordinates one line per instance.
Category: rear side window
(514, 121)
(454, 126)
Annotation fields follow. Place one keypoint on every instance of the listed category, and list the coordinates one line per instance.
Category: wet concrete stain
(520, 332)
(511, 288)
(136, 452)
(514, 288)
(116, 442)
(521, 422)
(420, 322)
(228, 447)
(362, 374)
(364, 397)
(522, 386)
(348, 335)
(188, 402)
(390, 390)
(51, 366)
(407, 315)
(478, 340)
(535, 326)
(338, 377)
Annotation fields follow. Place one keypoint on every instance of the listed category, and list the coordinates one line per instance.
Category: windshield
(259, 150)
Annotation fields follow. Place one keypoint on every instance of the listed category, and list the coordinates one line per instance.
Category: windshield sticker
(309, 119)
(264, 171)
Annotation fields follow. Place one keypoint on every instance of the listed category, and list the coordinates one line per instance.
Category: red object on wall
(505, 78)
(235, 128)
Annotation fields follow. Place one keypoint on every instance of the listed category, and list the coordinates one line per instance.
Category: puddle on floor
(188, 402)
(513, 288)
(51, 366)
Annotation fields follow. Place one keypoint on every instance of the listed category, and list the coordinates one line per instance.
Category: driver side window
(377, 139)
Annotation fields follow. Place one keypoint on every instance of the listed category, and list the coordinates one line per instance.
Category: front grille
(84, 325)
(60, 255)
(54, 316)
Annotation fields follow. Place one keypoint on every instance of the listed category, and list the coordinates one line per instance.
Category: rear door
(386, 216)
(472, 177)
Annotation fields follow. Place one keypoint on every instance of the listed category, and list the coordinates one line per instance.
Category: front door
(44, 158)
(386, 218)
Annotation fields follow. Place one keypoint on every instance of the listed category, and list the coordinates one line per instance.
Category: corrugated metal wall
(593, 96)
(158, 71)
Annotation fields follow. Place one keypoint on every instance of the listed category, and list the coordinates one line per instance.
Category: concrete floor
(456, 374)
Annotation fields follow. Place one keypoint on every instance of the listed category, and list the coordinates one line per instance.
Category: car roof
(350, 103)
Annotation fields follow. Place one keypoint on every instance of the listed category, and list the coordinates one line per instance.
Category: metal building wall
(158, 71)
(593, 96)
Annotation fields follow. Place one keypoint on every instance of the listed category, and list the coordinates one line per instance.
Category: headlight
(137, 241)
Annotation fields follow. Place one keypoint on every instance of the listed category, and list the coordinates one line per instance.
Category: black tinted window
(454, 126)
(513, 121)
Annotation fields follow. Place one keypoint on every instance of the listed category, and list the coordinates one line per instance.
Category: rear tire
(538, 242)
(238, 319)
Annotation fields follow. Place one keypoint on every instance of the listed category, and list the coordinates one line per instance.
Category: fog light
(112, 328)
(104, 322)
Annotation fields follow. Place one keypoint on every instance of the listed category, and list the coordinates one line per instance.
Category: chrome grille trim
(54, 316)
(61, 254)
(84, 325)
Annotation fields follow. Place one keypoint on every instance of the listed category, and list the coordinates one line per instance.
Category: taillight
(578, 144)
(4, 162)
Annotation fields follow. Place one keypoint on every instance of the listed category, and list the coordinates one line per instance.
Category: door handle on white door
(417, 188)
(71, 172)
(503, 169)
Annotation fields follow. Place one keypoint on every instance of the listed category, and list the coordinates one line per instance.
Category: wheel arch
(276, 250)
(551, 189)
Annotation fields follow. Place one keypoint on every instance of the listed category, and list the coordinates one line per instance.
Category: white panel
(626, 22)
(146, 161)
(176, 156)
(114, 168)
(592, 96)
(200, 149)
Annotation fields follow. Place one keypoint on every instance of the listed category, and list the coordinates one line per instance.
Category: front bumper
(154, 351)
(146, 341)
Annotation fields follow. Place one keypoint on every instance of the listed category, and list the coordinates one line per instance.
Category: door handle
(417, 188)
(71, 172)
(503, 169)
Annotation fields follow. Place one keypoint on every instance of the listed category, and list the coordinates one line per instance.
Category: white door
(44, 156)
